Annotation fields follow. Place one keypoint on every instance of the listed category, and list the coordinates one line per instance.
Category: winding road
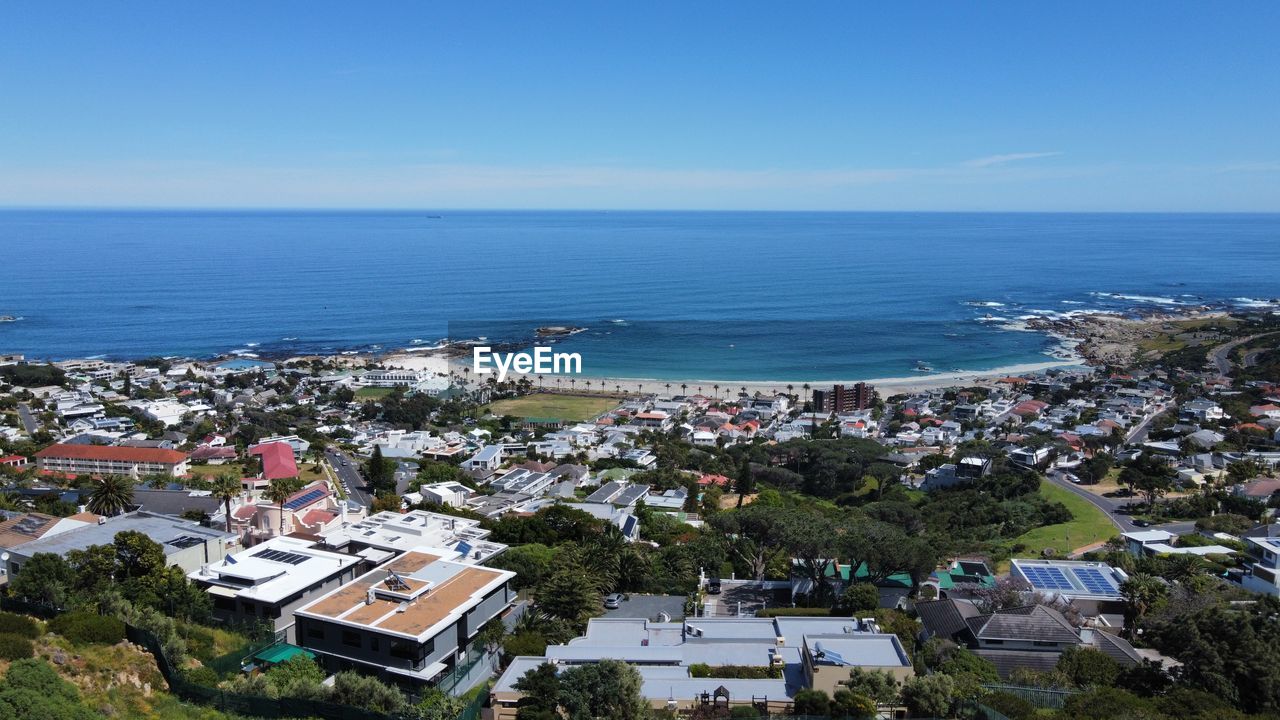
(1221, 355)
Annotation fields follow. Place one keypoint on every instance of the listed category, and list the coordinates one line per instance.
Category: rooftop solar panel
(304, 499)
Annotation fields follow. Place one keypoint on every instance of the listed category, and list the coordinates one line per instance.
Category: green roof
(281, 652)
(900, 579)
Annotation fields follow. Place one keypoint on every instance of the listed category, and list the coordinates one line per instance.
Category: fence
(1040, 697)
(238, 704)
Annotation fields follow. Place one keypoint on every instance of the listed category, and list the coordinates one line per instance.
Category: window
(373, 643)
(1045, 643)
(994, 642)
(351, 638)
(315, 633)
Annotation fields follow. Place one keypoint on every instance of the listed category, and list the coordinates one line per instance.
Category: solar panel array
(1071, 579)
(186, 541)
(31, 524)
(1094, 581)
(281, 556)
(304, 499)
(1047, 578)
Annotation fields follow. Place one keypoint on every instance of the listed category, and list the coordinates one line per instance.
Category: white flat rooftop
(274, 570)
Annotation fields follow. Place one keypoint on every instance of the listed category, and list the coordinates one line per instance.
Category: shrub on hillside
(15, 647)
(15, 624)
(87, 627)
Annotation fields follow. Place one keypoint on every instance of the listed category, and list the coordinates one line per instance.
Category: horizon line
(394, 209)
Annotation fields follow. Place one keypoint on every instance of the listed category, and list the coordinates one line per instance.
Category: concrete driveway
(649, 607)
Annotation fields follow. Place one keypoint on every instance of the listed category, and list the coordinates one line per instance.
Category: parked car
(613, 601)
(713, 586)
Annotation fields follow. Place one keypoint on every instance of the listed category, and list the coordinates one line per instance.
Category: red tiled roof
(713, 480)
(112, 452)
(245, 512)
(12, 459)
(318, 517)
(277, 460)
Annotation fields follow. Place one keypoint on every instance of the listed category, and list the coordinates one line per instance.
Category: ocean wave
(1149, 299)
(984, 303)
(1255, 302)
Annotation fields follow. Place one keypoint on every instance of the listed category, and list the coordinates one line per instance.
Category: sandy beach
(461, 369)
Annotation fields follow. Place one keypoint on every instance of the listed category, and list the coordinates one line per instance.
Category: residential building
(186, 544)
(451, 493)
(487, 459)
(111, 460)
(841, 399)
(1031, 637)
(1093, 587)
(269, 581)
(807, 652)
(381, 536)
(311, 511)
(410, 621)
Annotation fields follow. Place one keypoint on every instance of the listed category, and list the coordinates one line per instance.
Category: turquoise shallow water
(745, 296)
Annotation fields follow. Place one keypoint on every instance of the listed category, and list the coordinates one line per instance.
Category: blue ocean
(667, 295)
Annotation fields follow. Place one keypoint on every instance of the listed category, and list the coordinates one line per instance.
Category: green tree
(929, 695)
(540, 689)
(879, 685)
(379, 472)
(811, 702)
(607, 689)
(1087, 667)
(45, 579)
(111, 495)
(859, 597)
(745, 483)
(226, 487)
(438, 705)
(352, 688)
(848, 704)
(279, 490)
(1108, 704)
(569, 592)
(530, 563)
(296, 677)
(1141, 592)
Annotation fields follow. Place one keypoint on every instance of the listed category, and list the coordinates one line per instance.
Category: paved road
(1139, 434)
(1221, 355)
(350, 475)
(1110, 506)
(29, 421)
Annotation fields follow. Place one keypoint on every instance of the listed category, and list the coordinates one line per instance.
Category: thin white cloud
(992, 160)
(1250, 167)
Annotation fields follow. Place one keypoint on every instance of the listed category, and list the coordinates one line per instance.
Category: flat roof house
(186, 544)
(409, 621)
(111, 460)
(805, 652)
(271, 580)
(382, 536)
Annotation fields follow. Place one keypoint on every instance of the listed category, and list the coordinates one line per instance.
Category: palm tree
(226, 487)
(684, 389)
(717, 389)
(790, 387)
(279, 491)
(806, 392)
(113, 494)
(668, 388)
(1140, 592)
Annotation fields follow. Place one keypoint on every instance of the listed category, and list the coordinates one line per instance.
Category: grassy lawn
(1088, 526)
(310, 472)
(1181, 334)
(569, 408)
(233, 468)
(373, 393)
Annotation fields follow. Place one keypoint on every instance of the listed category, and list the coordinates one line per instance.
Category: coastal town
(397, 536)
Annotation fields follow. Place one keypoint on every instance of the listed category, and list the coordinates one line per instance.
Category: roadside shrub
(1010, 706)
(744, 712)
(794, 612)
(87, 627)
(16, 647)
(15, 624)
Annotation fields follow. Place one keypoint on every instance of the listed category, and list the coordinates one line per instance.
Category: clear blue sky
(886, 105)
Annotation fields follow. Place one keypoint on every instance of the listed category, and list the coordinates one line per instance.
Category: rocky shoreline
(1112, 339)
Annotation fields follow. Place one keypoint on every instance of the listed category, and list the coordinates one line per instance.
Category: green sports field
(567, 408)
